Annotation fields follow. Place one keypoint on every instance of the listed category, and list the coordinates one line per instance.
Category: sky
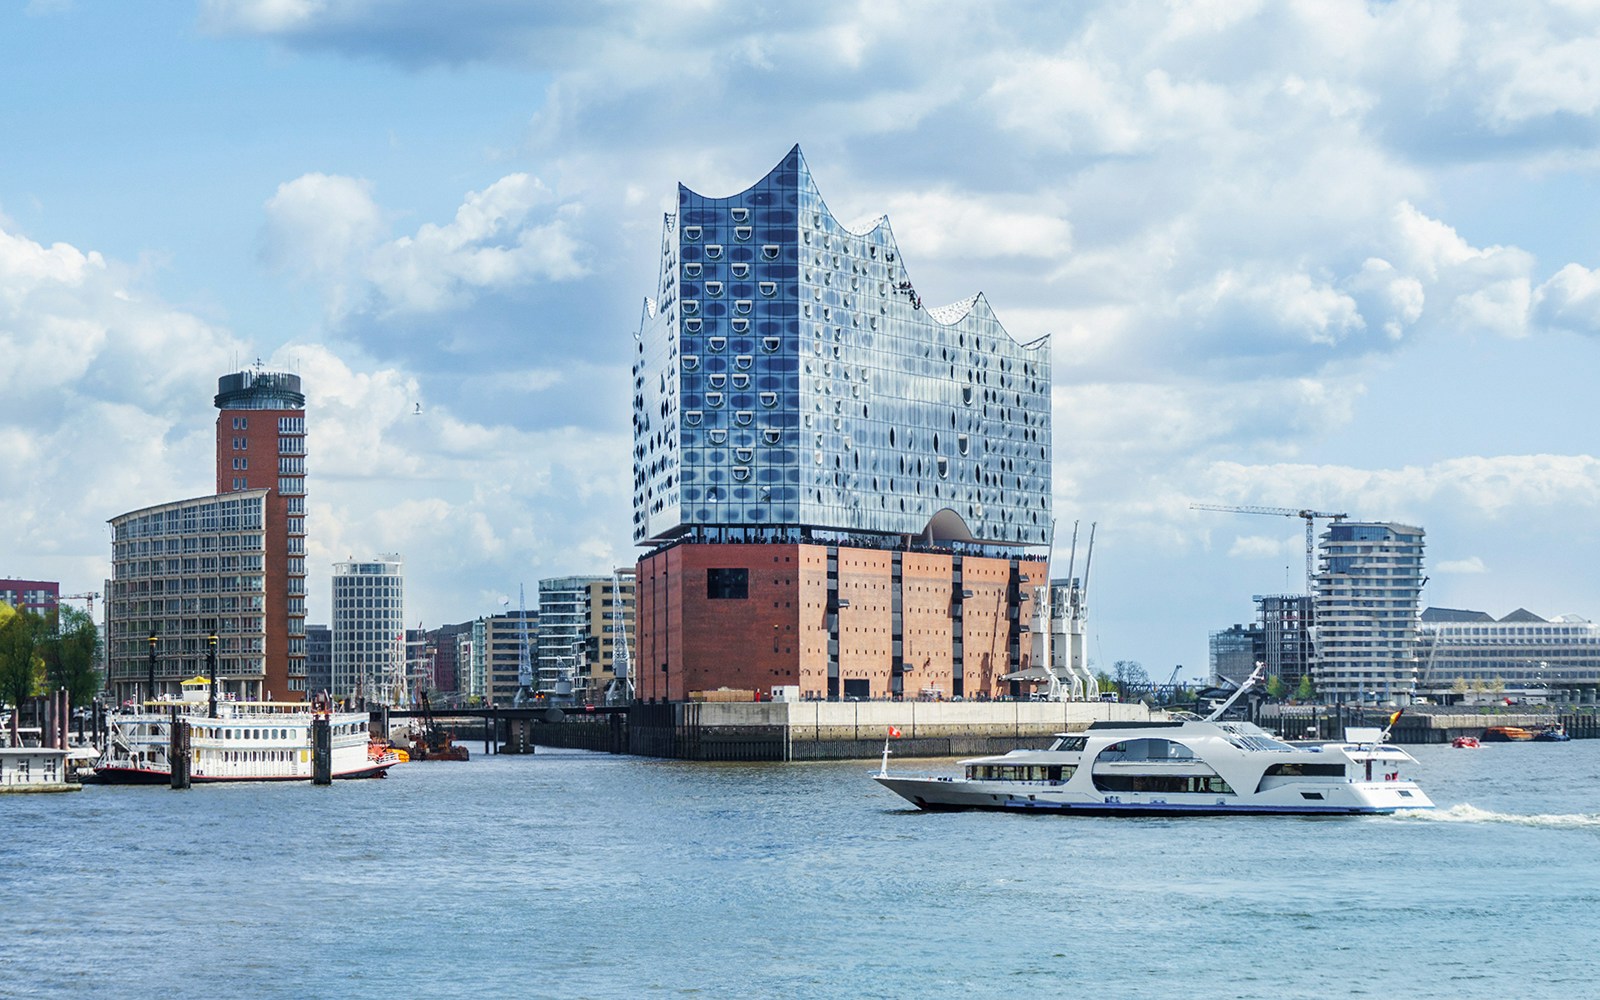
(1329, 255)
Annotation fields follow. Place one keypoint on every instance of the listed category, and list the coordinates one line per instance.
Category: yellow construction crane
(1309, 516)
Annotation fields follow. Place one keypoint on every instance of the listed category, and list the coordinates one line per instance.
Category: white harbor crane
(1309, 516)
(1065, 612)
(621, 655)
(524, 659)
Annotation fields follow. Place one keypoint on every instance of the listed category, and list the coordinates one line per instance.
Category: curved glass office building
(836, 482)
(789, 379)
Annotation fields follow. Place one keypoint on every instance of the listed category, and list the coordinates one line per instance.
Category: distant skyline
(1330, 255)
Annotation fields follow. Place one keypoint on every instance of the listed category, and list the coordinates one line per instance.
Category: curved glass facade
(788, 376)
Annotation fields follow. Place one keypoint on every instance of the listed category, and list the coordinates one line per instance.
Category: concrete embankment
(1422, 724)
(753, 731)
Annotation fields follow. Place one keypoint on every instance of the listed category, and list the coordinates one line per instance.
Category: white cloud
(1570, 300)
(1263, 546)
(1471, 564)
(1232, 218)
(1489, 486)
(489, 245)
(330, 229)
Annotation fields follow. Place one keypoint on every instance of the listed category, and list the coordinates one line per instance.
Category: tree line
(42, 653)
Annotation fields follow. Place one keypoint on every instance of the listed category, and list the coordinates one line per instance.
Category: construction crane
(87, 599)
(1309, 516)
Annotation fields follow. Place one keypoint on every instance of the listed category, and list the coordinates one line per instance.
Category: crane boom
(1309, 516)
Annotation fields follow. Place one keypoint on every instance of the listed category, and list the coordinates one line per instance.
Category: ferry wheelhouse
(244, 741)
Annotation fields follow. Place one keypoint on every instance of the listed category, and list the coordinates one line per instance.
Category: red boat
(1465, 742)
(1507, 734)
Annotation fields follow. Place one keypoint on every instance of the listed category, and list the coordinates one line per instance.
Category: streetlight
(150, 688)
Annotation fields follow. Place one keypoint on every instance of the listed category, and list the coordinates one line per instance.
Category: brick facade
(951, 635)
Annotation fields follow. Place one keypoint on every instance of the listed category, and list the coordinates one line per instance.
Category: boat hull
(138, 776)
(951, 794)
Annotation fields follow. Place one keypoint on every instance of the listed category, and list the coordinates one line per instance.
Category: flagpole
(884, 770)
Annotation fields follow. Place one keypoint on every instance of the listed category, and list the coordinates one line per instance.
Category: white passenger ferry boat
(1182, 767)
(247, 741)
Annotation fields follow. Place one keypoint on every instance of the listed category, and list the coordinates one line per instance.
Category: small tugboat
(1555, 732)
(1465, 743)
(1507, 734)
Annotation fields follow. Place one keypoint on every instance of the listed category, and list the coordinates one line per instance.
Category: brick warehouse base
(832, 621)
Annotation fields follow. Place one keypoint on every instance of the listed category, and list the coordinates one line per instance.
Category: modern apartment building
(369, 642)
(1367, 594)
(837, 483)
(443, 648)
(39, 596)
(472, 682)
(181, 572)
(1473, 657)
(233, 563)
(583, 622)
(319, 658)
(499, 644)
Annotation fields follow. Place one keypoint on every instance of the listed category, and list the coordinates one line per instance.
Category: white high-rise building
(369, 641)
(1368, 605)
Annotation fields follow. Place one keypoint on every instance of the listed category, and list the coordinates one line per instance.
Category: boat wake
(1468, 813)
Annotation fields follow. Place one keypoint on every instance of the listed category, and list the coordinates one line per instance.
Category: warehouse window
(728, 584)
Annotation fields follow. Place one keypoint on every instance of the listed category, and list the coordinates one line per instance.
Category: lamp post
(150, 683)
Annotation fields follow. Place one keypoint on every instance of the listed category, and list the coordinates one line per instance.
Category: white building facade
(1367, 597)
(1471, 657)
(369, 643)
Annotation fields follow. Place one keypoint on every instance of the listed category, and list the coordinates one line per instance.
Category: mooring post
(321, 749)
(178, 751)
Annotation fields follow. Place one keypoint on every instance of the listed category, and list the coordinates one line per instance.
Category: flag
(1396, 717)
(894, 732)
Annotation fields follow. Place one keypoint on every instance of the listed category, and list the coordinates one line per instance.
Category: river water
(572, 874)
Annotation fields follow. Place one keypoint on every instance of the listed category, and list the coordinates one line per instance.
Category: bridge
(511, 726)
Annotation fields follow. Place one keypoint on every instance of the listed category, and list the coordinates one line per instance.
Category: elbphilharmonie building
(789, 377)
(796, 403)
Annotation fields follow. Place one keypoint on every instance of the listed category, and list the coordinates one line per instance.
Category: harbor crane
(1309, 516)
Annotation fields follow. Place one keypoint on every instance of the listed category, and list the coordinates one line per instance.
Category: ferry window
(727, 584)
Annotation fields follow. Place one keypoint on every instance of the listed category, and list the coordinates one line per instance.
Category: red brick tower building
(261, 444)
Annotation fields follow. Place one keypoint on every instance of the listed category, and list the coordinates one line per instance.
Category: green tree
(1131, 678)
(1275, 687)
(21, 669)
(69, 656)
(1306, 690)
(1107, 684)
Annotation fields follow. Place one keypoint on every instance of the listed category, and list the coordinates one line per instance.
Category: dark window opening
(727, 584)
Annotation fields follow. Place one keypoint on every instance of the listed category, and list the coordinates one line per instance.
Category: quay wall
(1430, 724)
(754, 731)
